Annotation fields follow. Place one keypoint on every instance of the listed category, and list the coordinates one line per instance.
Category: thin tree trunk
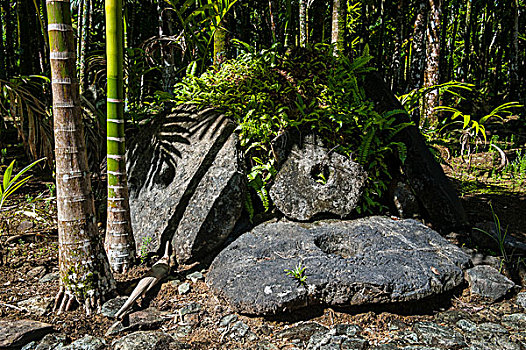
(397, 52)
(119, 243)
(432, 73)
(338, 26)
(85, 275)
(303, 23)
(289, 25)
(83, 43)
(273, 8)
(466, 59)
(3, 63)
(514, 86)
(419, 50)
(444, 24)
(9, 44)
(220, 43)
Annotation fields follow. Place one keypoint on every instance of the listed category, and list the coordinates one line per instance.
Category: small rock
(37, 305)
(515, 321)
(88, 342)
(36, 272)
(50, 277)
(195, 276)
(140, 320)
(302, 331)
(182, 331)
(17, 333)
(349, 330)
(52, 342)
(151, 340)
(431, 333)
(467, 326)
(521, 300)
(110, 308)
(487, 282)
(183, 288)
(190, 309)
(25, 225)
(226, 320)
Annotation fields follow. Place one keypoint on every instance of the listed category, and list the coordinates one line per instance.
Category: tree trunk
(273, 8)
(28, 37)
(432, 72)
(419, 50)
(9, 36)
(397, 52)
(220, 43)
(83, 37)
(514, 86)
(84, 270)
(3, 63)
(303, 23)
(119, 243)
(289, 25)
(466, 58)
(338, 26)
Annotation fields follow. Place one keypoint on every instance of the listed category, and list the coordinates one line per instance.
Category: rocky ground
(182, 313)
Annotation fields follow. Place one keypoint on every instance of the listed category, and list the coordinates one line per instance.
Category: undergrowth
(267, 94)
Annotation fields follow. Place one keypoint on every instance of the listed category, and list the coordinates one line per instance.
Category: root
(64, 301)
(503, 158)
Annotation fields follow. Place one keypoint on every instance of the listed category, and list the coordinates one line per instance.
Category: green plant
(3, 155)
(298, 273)
(499, 236)
(10, 185)
(310, 90)
(143, 251)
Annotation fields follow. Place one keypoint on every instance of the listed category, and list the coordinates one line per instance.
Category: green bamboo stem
(119, 242)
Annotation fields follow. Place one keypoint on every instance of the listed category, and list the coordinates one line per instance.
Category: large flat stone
(186, 184)
(314, 180)
(364, 261)
(14, 334)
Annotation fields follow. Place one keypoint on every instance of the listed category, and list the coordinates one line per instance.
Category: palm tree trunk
(338, 26)
(419, 51)
(119, 242)
(84, 270)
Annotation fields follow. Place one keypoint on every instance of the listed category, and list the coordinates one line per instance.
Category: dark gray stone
(139, 320)
(423, 173)
(144, 340)
(486, 282)
(364, 261)
(337, 339)
(110, 308)
(405, 201)
(15, 334)
(88, 342)
(433, 334)
(191, 308)
(184, 172)
(300, 193)
(491, 336)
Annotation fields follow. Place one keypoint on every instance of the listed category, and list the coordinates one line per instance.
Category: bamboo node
(59, 27)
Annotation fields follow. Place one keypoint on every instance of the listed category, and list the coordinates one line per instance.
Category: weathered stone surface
(342, 337)
(364, 261)
(52, 342)
(88, 342)
(110, 308)
(302, 331)
(184, 172)
(36, 272)
(140, 320)
(141, 340)
(486, 282)
(17, 333)
(50, 277)
(314, 180)
(37, 305)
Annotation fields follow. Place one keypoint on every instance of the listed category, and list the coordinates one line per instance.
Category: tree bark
(466, 58)
(419, 50)
(303, 23)
(9, 36)
(514, 86)
(432, 72)
(119, 243)
(85, 275)
(3, 63)
(338, 26)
